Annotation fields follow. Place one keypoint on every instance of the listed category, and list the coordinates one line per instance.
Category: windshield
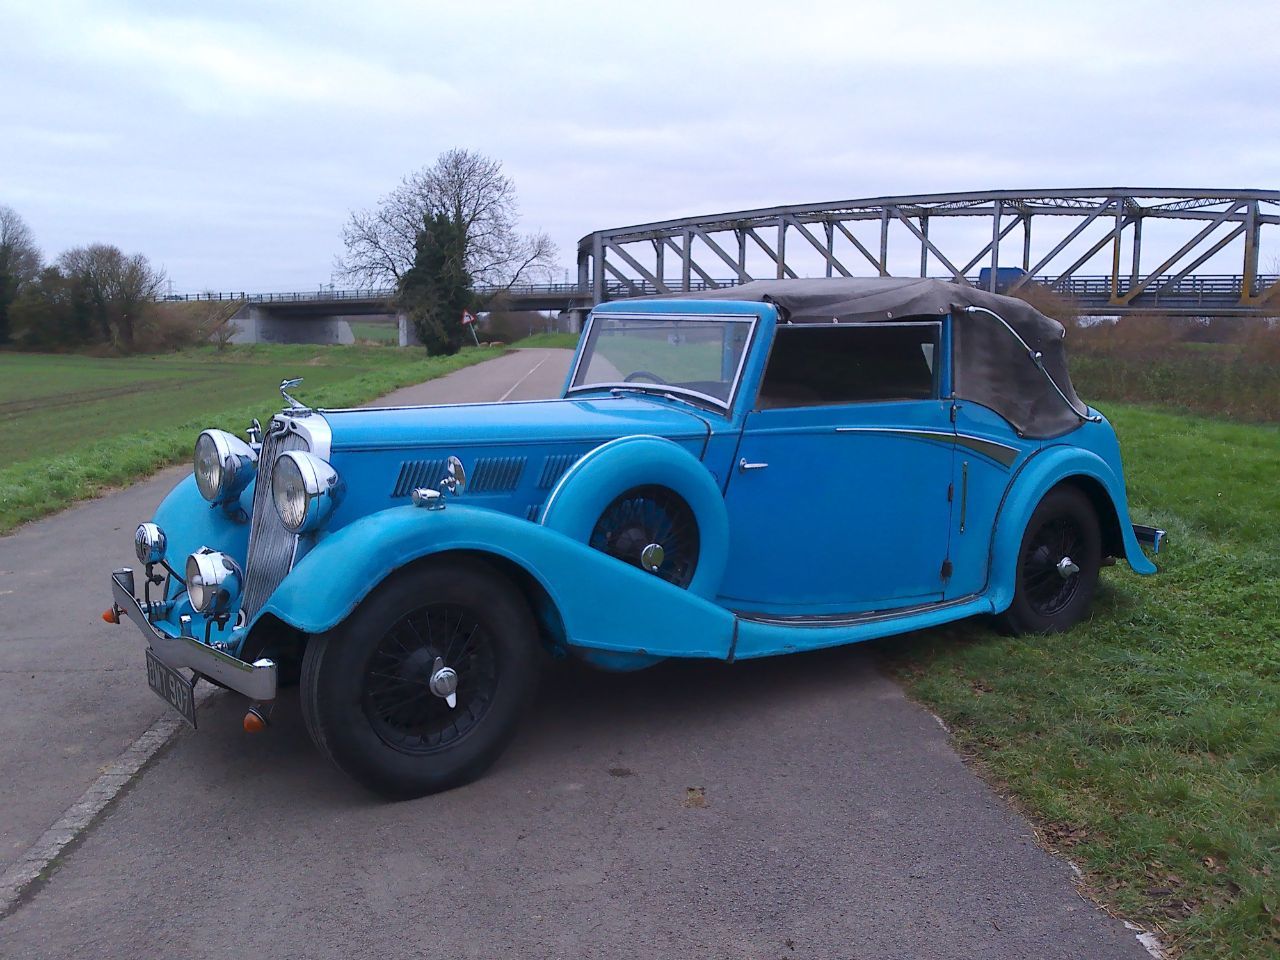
(698, 356)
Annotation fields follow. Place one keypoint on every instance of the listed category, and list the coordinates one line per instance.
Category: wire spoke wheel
(1058, 565)
(649, 515)
(398, 699)
(1048, 589)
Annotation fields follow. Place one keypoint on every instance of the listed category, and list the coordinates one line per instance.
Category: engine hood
(539, 421)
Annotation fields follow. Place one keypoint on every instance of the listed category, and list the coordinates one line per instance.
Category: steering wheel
(645, 374)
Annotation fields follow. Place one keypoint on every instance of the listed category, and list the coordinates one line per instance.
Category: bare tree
(19, 262)
(120, 288)
(469, 189)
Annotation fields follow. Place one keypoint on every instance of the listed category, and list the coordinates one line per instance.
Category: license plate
(172, 687)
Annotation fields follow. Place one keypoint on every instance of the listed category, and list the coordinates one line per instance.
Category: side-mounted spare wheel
(650, 503)
(1058, 565)
(652, 528)
(421, 688)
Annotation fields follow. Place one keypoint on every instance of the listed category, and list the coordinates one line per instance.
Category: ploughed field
(1146, 743)
(72, 425)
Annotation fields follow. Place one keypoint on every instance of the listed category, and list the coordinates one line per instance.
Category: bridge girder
(632, 260)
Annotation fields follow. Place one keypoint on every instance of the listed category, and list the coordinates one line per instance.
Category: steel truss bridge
(955, 236)
(1074, 230)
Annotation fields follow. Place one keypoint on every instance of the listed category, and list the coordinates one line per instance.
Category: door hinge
(951, 492)
(946, 569)
(954, 408)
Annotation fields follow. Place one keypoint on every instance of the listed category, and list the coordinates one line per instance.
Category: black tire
(365, 695)
(1045, 599)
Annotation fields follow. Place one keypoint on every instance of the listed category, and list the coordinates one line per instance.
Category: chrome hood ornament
(294, 405)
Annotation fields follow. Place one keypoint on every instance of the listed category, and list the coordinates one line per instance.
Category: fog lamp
(214, 582)
(149, 543)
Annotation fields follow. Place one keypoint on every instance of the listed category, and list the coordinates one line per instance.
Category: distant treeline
(89, 296)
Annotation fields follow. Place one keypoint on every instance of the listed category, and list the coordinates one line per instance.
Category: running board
(852, 619)
(767, 634)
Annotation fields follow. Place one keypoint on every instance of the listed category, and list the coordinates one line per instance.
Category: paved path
(833, 819)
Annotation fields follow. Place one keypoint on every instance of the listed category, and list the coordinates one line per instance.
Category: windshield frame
(675, 390)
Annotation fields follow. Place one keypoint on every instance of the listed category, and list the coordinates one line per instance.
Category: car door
(840, 497)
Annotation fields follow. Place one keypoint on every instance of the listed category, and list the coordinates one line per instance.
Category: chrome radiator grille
(271, 546)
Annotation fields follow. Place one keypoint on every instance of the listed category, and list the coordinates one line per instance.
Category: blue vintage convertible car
(772, 468)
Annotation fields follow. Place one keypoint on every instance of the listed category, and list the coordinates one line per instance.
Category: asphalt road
(798, 807)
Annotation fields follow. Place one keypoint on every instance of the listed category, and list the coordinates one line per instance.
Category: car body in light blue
(769, 469)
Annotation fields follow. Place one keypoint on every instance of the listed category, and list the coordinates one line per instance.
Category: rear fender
(1041, 473)
(604, 604)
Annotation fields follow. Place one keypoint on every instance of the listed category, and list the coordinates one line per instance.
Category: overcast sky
(229, 141)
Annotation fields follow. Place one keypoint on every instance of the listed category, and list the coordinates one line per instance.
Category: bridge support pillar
(257, 324)
(408, 336)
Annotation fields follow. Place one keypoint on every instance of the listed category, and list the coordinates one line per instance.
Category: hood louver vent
(492, 474)
(417, 473)
(554, 467)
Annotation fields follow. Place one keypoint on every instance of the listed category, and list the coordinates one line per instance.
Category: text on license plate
(172, 687)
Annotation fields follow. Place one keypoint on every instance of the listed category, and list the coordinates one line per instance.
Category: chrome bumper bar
(255, 680)
(1152, 537)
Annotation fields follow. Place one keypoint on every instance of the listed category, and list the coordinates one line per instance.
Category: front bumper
(255, 680)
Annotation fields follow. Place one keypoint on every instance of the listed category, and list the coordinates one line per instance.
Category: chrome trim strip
(727, 404)
(432, 406)
(1002, 453)
(851, 619)
(255, 680)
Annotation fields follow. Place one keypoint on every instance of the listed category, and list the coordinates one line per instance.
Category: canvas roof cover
(990, 367)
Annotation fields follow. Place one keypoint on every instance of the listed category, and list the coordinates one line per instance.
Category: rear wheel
(422, 687)
(1058, 564)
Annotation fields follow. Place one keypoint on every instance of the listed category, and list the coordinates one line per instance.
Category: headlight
(149, 543)
(305, 490)
(224, 465)
(213, 581)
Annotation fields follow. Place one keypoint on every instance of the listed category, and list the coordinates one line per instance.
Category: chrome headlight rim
(233, 464)
(304, 490)
(149, 543)
(214, 582)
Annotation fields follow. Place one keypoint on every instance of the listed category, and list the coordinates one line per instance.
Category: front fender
(190, 522)
(1041, 472)
(605, 604)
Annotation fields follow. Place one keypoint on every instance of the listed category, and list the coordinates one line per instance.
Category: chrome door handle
(744, 466)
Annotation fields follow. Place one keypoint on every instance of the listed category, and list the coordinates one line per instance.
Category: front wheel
(421, 688)
(1058, 565)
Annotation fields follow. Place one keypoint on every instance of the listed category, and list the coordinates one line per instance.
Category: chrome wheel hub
(444, 683)
(1067, 568)
(652, 556)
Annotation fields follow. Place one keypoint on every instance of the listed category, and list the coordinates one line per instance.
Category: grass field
(383, 333)
(1146, 743)
(566, 340)
(71, 426)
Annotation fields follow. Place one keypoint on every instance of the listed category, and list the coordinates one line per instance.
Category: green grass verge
(1146, 743)
(377, 332)
(567, 340)
(101, 422)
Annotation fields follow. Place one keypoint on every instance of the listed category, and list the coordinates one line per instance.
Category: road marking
(34, 865)
(516, 385)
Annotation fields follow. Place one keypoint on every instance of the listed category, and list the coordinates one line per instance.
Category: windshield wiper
(665, 390)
